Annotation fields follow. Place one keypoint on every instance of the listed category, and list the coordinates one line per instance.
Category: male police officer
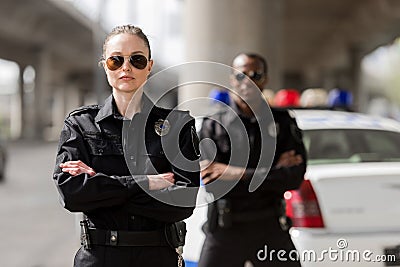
(242, 223)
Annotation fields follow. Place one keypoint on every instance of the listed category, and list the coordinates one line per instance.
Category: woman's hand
(161, 181)
(76, 167)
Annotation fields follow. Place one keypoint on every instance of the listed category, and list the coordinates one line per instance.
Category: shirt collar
(236, 113)
(110, 108)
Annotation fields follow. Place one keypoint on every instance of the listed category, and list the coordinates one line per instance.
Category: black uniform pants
(108, 256)
(257, 242)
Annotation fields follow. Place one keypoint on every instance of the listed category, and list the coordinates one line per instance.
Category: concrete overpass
(312, 43)
(325, 40)
(59, 43)
(308, 43)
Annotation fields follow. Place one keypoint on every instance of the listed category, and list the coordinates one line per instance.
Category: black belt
(251, 216)
(127, 238)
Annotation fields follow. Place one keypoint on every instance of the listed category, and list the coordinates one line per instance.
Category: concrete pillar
(17, 116)
(356, 55)
(42, 116)
(58, 111)
(329, 79)
(28, 113)
(65, 98)
(313, 78)
(219, 30)
(73, 98)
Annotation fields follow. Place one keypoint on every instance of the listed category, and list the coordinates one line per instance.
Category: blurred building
(59, 42)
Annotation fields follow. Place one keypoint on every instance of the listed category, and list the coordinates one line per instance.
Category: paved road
(35, 230)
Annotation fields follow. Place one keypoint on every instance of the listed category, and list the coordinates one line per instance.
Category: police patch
(162, 127)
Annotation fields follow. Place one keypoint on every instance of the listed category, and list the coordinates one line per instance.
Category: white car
(347, 210)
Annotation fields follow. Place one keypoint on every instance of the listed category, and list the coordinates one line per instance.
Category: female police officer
(109, 180)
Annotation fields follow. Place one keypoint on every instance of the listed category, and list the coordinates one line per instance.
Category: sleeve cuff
(135, 181)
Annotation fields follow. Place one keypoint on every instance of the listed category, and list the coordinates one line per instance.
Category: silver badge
(162, 127)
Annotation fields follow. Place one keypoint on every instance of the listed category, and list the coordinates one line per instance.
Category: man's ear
(265, 81)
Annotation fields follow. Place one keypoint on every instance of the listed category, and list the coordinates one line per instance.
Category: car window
(331, 146)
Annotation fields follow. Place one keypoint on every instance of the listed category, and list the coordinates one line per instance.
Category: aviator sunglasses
(253, 75)
(116, 62)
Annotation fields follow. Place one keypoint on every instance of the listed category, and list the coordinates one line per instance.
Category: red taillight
(302, 206)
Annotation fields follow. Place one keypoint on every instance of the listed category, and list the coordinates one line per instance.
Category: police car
(347, 210)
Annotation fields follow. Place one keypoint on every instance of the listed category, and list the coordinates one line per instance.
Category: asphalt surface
(35, 230)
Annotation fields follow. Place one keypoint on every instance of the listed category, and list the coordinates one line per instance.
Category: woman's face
(126, 79)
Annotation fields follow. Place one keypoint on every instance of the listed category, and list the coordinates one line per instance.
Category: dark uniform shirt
(233, 148)
(115, 198)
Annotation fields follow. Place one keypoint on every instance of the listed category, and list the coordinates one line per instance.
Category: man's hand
(161, 181)
(76, 167)
(289, 159)
(216, 170)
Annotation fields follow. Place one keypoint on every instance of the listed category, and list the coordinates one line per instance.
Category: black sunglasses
(255, 76)
(116, 62)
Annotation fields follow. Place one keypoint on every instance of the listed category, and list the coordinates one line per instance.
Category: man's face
(250, 85)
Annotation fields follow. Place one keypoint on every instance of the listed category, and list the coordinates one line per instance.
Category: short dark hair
(256, 57)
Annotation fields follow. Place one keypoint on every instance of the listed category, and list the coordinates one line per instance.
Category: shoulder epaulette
(166, 111)
(219, 112)
(279, 112)
(83, 109)
(160, 110)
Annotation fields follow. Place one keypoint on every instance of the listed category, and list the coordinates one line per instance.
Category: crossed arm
(216, 170)
(156, 182)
